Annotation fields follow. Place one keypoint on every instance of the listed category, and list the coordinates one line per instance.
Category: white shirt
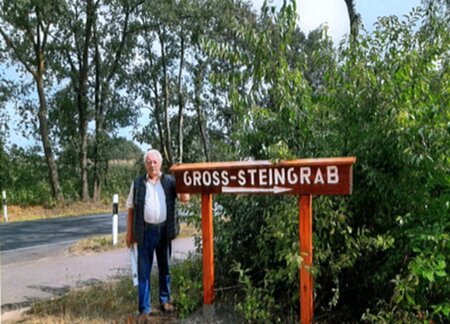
(155, 209)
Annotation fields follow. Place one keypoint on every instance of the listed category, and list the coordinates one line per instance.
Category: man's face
(153, 165)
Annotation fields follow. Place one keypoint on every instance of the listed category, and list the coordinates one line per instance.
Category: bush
(119, 178)
(187, 281)
(26, 179)
(380, 254)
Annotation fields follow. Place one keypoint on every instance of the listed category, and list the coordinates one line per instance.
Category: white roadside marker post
(5, 206)
(115, 219)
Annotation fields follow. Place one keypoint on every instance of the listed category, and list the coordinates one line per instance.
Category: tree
(215, 118)
(179, 71)
(164, 68)
(77, 44)
(95, 41)
(24, 176)
(26, 29)
(387, 95)
(113, 41)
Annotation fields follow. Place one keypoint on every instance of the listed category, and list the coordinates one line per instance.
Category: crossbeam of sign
(326, 176)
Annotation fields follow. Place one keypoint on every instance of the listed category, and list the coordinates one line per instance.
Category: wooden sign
(308, 176)
(305, 178)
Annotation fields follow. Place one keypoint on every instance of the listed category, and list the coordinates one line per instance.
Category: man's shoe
(143, 318)
(167, 308)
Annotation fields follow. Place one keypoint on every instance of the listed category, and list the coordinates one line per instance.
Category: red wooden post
(208, 249)
(306, 280)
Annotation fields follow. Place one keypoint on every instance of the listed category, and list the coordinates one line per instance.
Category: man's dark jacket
(172, 224)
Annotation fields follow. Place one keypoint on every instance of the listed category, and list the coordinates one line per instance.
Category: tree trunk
(198, 84)
(98, 122)
(83, 99)
(168, 152)
(180, 102)
(157, 109)
(47, 146)
(100, 158)
(83, 159)
(355, 20)
(156, 114)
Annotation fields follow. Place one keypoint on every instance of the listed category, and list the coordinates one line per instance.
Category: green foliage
(257, 303)
(393, 113)
(382, 253)
(25, 177)
(24, 174)
(119, 177)
(188, 285)
(270, 278)
(5, 176)
(123, 149)
(269, 274)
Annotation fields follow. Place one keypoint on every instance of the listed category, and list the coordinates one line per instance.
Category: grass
(101, 303)
(97, 244)
(26, 213)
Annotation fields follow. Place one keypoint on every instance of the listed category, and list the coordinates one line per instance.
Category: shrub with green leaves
(25, 177)
(381, 254)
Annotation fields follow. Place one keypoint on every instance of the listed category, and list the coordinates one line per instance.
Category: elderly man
(152, 223)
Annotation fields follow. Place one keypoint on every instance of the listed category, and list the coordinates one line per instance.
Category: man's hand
(129, 239)
(184, 197)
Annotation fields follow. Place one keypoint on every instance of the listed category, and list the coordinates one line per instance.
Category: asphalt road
(25, 241)
(31, 234)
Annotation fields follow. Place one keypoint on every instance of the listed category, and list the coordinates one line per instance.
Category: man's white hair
(153, 151)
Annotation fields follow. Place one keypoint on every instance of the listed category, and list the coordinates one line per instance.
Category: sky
(312, 14)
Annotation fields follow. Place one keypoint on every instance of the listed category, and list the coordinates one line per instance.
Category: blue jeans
(154, 241)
